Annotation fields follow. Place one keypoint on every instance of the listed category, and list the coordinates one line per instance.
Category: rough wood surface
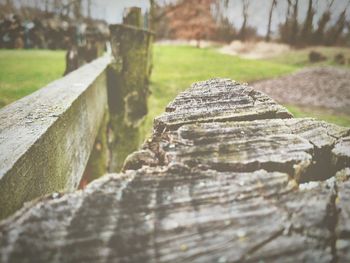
(216, 190)
(46, 138)
(219, 100)
(301, 147)
(343, 226)
(341, 153)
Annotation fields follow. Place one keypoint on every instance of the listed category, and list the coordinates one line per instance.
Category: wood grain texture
(46, 138)
(172, 214)
(341, 153)
(343, 226)
(207, 191)
(219, 100)
(301, 147)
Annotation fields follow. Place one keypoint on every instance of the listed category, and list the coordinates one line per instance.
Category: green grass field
(24, 71)
(175, 69)
(300, 57)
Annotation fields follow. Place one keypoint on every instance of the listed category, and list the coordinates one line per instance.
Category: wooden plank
(343, 224)
(219, 100)
(300, 147)
(172, 214)
(175, 203)
(341, 153)
(46, 138)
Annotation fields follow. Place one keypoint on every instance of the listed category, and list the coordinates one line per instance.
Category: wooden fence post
(127, 81)
(131, 47)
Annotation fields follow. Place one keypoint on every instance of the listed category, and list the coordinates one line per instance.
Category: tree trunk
(307, 28)
(319, 34)
(152, 15)
(46, 6)
(89, 8)
(336, 31)
(294, 29)
(242, 32)
(268, 33)
(77, 9)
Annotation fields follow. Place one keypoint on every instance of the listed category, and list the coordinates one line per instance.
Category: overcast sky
(259, 11)
(112, 10)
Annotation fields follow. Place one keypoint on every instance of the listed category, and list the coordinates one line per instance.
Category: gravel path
(325, 87)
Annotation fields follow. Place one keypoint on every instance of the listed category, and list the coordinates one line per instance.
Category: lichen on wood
(223, 188)
(131, 47)
(46, 138)
(128, 92)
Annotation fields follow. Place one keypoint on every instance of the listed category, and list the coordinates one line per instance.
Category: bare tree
(89, 4)
(348, 35)
(166, 10)
(335, 32)
(77, 8)
(193, 20)
(268, 33)
(56, 6)
(318, 37)
(47, 2)
(289, 6)
(306, 32)
(294, 25)
(285, 28)
(242, 32)
(152, 14)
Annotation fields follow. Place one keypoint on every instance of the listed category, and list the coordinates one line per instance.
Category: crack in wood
(205, 188)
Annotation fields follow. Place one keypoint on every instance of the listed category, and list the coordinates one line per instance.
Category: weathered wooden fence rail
(220, 180)
(76, 126)
(46, 138)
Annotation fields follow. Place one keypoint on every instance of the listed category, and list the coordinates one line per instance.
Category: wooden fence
(74, 128)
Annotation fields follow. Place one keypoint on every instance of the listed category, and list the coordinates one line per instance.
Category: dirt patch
(254, 50)
(325, 87)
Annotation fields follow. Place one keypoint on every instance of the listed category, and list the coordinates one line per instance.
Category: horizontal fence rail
(79, 127)
(46, 138)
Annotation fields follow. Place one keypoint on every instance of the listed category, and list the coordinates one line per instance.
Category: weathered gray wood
(129, 91)
(300, 147)
(153, 212)
(341, 153)
(187, 208)
(343, 226)
(219, 100)
(174, 214)
(131, 47)
(46, 138)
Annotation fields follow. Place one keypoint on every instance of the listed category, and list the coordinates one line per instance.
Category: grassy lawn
(300, 57)
(24, 71)
(175, 69)
(322, 114)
